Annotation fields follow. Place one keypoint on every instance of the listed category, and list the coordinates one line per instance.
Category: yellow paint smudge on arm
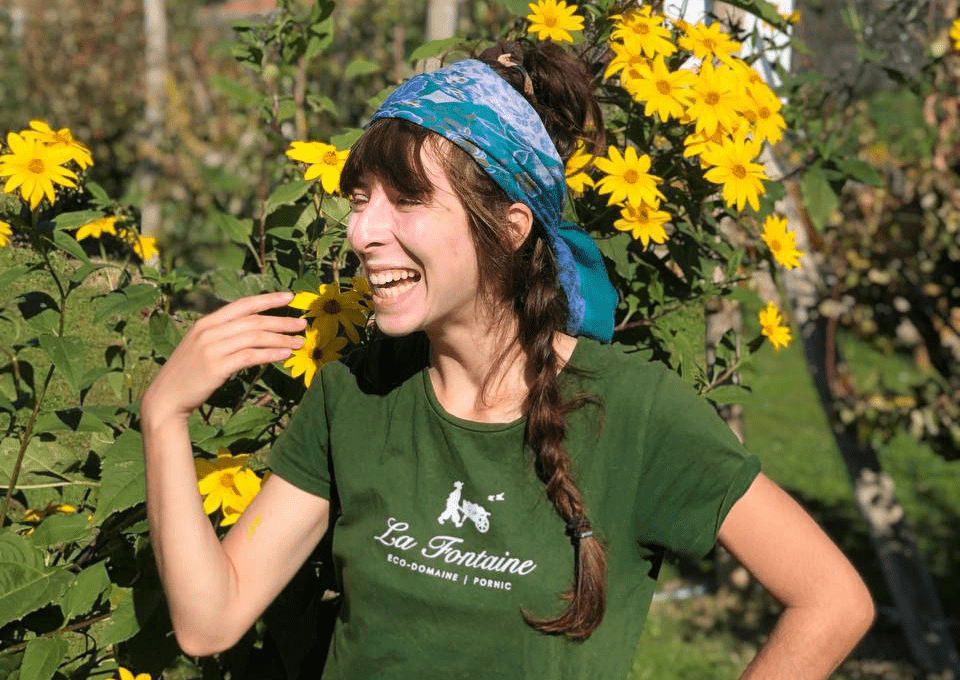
(253, 527)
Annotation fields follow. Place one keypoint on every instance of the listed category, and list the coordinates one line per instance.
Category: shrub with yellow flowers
(679, 200)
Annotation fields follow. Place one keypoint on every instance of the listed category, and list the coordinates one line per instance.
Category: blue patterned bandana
(476, 109)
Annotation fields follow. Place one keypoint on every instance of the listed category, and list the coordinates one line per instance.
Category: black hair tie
(579, 528)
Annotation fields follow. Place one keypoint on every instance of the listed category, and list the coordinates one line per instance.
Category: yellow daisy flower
(626, 55)
(145, 247)
(955, 34)
(665, 93)
(249, 486)
(6, 234)
(332, 308)
(323, 160)
(781, 241)
(127, 675)
(647, 29)
(770, 326)
(224, 481)
(318, 349)
(627, 179)
(734, 169)
(697, 142)
(33, 168)
(97, 228)
(361, 284)
(553, 20)
(715, 100)
(60, 139)
(707, 42)
(763, 113)
(577, 178)
(644, 223)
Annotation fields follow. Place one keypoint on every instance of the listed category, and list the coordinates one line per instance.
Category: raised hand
(234, 337)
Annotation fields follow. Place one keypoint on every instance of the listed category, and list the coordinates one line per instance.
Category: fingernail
(299, 341)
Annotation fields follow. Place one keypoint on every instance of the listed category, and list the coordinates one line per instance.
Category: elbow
(854, 607)
(202, 643)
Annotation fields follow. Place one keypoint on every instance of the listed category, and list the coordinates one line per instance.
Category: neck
(461, 361)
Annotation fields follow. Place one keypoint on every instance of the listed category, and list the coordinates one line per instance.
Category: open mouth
(390, 283)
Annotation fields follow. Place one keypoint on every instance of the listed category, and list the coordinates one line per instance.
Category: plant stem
(23, 448)
(54, 484)
(66, 629)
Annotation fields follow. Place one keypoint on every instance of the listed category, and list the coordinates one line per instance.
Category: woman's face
(419, 256)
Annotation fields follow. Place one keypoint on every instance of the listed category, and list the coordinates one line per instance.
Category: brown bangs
(389, 151)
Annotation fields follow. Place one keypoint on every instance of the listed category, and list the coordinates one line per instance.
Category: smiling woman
(502, 484)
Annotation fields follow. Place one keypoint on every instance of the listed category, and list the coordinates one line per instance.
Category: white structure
(695, 10)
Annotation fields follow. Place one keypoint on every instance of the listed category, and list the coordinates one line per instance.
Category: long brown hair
(560, 90)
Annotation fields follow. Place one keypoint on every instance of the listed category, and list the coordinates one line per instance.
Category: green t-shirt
(443, 531)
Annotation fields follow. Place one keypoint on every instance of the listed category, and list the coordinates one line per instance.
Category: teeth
(383, 277)
(393, 291)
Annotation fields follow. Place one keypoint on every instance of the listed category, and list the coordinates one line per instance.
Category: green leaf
(335, 209)
(26, 583)
(231, 285)
(432, 49)
(286, 109)
(346, 138)
(615, 249)
(233, 228)
(72, 220)
(42, 658)
(360, 67)
(125, 301)
(728, 394)
(40, 311)
(238, 92)
(122, 476)
(123, 623)
(819, 196)
(82, 594)
(316, 44)
(100, 196)
(286, 194)
(860, 171)
(321, 104)
(61, 528)
(763, 9)
(66, 353)
(164, 334)
(519, 7)
(68, 244)
(72, 420)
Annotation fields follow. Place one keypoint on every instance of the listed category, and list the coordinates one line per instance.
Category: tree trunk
(908, 580)
(155, 82)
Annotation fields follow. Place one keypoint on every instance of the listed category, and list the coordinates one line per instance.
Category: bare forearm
(193, 566)
(810, 643)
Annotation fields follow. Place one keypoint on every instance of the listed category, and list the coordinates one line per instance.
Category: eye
(357, 200)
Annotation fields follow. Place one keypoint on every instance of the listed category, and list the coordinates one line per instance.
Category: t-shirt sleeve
(693, 470)
(300, 454)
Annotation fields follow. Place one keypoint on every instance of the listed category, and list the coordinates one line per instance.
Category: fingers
(259, 340)
(246, 307)
(253, 324)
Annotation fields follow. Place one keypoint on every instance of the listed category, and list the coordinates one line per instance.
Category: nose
(369, 225)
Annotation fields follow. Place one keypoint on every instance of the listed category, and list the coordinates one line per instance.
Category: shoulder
(615, 368)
